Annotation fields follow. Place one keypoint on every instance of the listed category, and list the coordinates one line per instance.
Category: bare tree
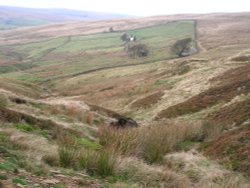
(137, 50)
(124, 37)
(181, 46)
(111, 30)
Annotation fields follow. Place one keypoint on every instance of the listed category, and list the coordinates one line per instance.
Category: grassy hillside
(77, 54)
(65, 96)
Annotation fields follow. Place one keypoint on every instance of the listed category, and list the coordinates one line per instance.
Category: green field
(71, 55)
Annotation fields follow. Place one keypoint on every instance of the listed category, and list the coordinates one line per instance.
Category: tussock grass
(212, 130)
(67, 156)
(149, 143)
(13, 152)
(85, 155)
(228, 181)
(6, 142)
(3, 100)
(52, 160)
(146, 175)
(97, 163)
(100, 163)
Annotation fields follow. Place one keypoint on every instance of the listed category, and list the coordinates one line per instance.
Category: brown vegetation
(232, 149)
(232, 83)
(3, 100)
(126, 157)
(148, 143)
(241, 58)
(148, 100)
(54, 129)
(239, 74)
(234, 114)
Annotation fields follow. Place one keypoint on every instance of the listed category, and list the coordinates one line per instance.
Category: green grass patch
(3, 177)
(89, 144)
(8, 166)
(21, 180)
(31, 129)
(185, 145)
(59, 186)
(25, 127)
(39, 49)
(22, 76)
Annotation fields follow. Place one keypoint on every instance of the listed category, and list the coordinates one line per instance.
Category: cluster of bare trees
(133, 47)
(181, 48)
(137, 50)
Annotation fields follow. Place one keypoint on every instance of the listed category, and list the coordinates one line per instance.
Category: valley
(78, 110)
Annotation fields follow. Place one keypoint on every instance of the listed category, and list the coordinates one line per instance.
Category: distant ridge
(13, 17)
